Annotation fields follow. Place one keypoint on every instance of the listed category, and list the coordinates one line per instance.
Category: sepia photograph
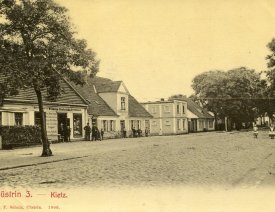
(137, 105)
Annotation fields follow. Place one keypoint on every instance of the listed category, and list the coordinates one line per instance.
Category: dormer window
(123, 104)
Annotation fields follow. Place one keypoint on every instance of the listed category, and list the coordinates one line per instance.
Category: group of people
(138, 132)
(65, 132)
(94, 131)
(271, 132)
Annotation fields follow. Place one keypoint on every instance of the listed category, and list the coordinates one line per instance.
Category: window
(154, 109)
(0, 118)
(211, 123)
(183, 110)
(77, 125)
(167, 123)
(123, 103)
(132, 124)
(18, 119)
(178, 109)
(138, 124)
(112, 125)
(183, 123)
(178, 124)
(166, 109)
(201, 124)
(105, 125)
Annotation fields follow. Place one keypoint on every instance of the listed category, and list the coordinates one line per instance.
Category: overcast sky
(157, 46)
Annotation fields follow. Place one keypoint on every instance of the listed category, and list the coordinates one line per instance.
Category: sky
(156, 47)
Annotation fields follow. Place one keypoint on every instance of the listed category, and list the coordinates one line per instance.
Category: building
(199, 119)
(112, 108)
(169, 116)
(69, 110)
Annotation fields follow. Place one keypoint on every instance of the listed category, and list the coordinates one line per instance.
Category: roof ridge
(71, 86)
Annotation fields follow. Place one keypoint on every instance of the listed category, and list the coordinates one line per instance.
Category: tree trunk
(45, 142)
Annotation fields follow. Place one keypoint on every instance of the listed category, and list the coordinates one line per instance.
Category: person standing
(134, 132)
(68, 139)
(146, 131)
(124, 132)
(87, 129)
(94, 133)
(102, 134)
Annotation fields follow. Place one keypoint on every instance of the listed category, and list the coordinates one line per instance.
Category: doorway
(63, 126)
(122, 125)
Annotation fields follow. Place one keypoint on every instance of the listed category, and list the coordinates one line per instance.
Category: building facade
(169, 117)
(112, 108)
(199, 120)
(67, 115)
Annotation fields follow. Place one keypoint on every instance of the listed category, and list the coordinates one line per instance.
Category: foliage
(270, 74)
(37, 48)
(20, 136)
(236, 93)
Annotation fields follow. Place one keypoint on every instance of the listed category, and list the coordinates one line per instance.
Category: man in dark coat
(87, 129)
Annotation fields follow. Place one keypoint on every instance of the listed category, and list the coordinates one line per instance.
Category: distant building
(169, 116)
(112, 108)
(68, 111)
(199, 119)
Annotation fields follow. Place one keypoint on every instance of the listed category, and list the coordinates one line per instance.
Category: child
(255, 131)
(271, 132)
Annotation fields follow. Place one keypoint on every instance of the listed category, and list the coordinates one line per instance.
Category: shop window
(18, 119)
(123, 104)
(77, 127)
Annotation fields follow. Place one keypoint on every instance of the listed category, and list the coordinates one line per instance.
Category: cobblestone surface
(215, 159)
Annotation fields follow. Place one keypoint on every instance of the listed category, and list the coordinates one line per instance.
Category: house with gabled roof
(112, 107)
(199, 119)
(69, 111)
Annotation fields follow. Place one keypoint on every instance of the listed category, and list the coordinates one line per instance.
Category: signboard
(51, 123)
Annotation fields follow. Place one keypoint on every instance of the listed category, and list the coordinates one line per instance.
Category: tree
(37, 48)
(234, 94)
(270, 74)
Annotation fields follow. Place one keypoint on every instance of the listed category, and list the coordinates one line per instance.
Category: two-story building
(68, 111)
(112, 108)
(169, 116)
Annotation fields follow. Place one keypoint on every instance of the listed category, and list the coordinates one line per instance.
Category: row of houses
(108, 105)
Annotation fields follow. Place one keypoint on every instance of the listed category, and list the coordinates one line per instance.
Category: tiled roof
(197, 110)
(136, 109)
(104, 85)
(97, 106)
(68, 95)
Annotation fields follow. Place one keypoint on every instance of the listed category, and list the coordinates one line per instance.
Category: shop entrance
(63, 126)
